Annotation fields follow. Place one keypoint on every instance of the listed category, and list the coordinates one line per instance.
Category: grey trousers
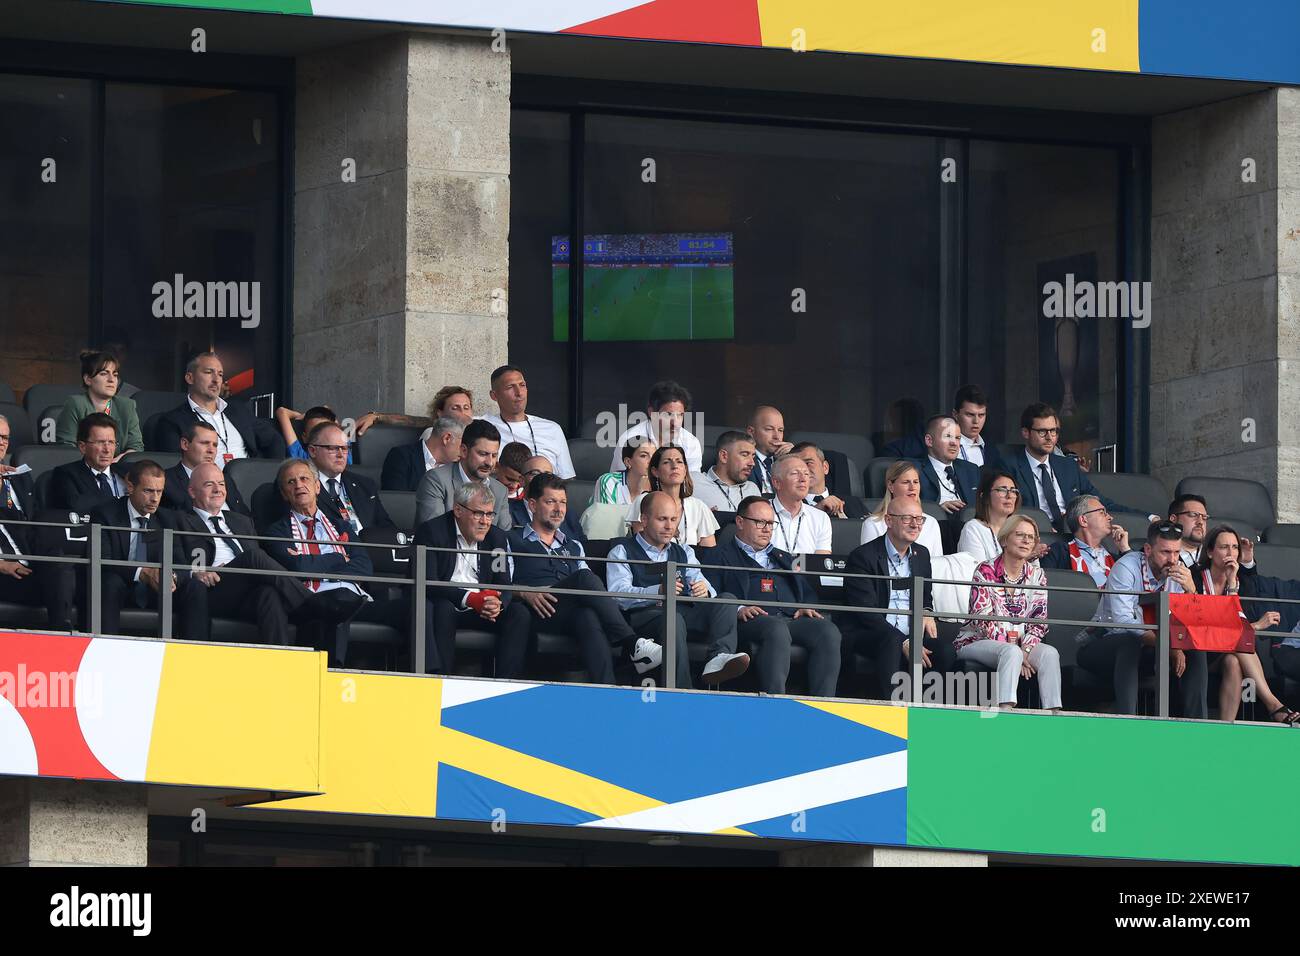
(1116, 655)
(772, 636)
(1006, 659)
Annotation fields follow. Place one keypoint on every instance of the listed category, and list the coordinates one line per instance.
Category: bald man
(218, 539)
(767, 428)
(523, 517)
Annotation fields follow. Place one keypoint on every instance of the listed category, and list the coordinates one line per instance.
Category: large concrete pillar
(1225, 332)
(844, 854)
(47, 822)
(400, 276)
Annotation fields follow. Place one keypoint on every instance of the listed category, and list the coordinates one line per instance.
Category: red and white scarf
(310, 544)
(1079, 564)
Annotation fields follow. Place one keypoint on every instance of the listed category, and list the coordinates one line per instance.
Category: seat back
(44, 424)
(20, 425)
(1288, 534)
(400, 506)
(857, 448)
(41, 396)
(590, 460)
(42, 458)
(167, 459)
(874, 476)
(1133, 490)
(1278, 561)
(1240, 497)
(7, 393)
(151, 403)
(580, 492)
(373, 447)
(1074, 605)
(846, 534)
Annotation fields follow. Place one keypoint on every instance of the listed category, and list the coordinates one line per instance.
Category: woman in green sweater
(101, 376)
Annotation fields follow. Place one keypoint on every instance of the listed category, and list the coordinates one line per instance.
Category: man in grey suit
(436, 493)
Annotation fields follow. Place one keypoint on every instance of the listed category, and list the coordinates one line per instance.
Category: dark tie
(952, 478)
(231, 543)
(334, 489)
(104, 484)
(138, 556)
(1049, 494)
(11, 497)
(817, 499)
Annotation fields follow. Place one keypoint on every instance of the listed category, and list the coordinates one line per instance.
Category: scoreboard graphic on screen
(648, 287)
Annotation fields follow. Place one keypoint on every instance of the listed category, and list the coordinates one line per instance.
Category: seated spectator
(726, 484)
(666, 409)
(17, 492)
(471, 597)
(1113, 653)
(767, 429)
(101, 377)
(267, 601)
(970, 409)
(894, 556)
(1257, 592)
(198, 447)
(436, 492)
(405, 465)
(902, 481)
(511, 464)
(520, 514)
(285, 417)
(1091, 525)
(1014, 649)
(239, 433)
(621, 487)
(1191, 514)
(86, 484)
(1217, 573)
(541, 435)
(668, 473)
(135, 586)
(819, 496)
(593, 620)
(800, 528)
(1048, 481)
(769, 632)
(451, 401)
(945, 478)
(995, 502)
(353, 496)
(33, 583)
(660, 514)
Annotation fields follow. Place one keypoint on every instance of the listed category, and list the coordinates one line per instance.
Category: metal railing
(419, 580)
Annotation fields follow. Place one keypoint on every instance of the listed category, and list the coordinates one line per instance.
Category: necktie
(1049, 494)
(817, 499)
(952, 479)
(11, 499)
(312, 546)
(334, 489)
(231, 543)
(138, 556)
(337, 491)
(105, 486)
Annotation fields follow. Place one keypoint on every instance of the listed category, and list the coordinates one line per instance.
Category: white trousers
(1006, 659)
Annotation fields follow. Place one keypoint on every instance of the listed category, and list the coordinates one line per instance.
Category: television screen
(661, 287)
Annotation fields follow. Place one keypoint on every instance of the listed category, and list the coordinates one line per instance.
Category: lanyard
(789, 544)
(531, 434)
(722, 488)
(218, 421)
(951, 489)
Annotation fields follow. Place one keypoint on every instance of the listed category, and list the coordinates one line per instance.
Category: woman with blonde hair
(903, 481)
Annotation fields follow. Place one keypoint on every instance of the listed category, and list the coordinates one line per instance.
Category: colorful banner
(1247, 40)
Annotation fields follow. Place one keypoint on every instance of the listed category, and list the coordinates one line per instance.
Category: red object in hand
(476, 599)
(1209, 622)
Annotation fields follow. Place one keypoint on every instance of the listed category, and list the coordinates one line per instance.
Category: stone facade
(52, 822)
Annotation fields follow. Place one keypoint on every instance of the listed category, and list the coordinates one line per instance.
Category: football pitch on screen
(648, 304)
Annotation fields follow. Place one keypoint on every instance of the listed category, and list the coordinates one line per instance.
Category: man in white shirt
(767, 429)
(970, 409)
(724, 486)
(541, 435)
(1191, 514)
(666, 409)
(800, 529)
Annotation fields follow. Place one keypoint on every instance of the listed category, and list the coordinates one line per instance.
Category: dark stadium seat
(1278, 561)
(366, 471)
(250, 473)
(857, 448)
(1136, 525)
(1288, 534)
(874, 476)
(373, 447)
(1240, 497)
(42, 458)
(20, 426)
(590, 460)
(1133, 490)
(7, 394)
(1069, 604)
(400, 506)
(163, 458)
(41, 396)
(579, 492)
(1243, 528)
(148, 428)
(151, 403)
(846, 534)
(44, 424)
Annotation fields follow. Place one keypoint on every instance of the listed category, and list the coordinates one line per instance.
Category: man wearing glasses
(353, 496)
(1092, 526)
(800, 529)
(752, 573)
(473, 597)
(1046, 480)
(884, 639)
(1190, 513)
(17, 492)
(89, 483)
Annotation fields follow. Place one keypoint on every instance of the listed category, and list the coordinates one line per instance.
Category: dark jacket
(73, 487)
(743, 575)
(176, 493)
(909, 446)
(872, 558)
(403, 467)
(259, 435)
(117, 544)
(357, 560)
(440, 532)
(364, 496)
(839, 483)
(1072, 479)
(189, 520)
(967, 483)
(24, 489)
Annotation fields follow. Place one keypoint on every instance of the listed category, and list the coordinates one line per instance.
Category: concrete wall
(50, 822)
(394, 274)
(1225, 332)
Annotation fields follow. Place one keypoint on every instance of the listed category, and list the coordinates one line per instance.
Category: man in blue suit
(945, 478)
(1046, 480)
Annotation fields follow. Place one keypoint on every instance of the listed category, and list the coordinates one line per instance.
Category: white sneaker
(725, 667)
(646, 655)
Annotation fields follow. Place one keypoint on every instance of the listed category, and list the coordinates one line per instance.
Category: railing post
(670, 624)
(917, 645)
(417, 610)
(95, 586)
(1162, 656)
(165, 587)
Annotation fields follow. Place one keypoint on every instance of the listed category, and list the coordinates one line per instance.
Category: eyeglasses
(1045, 432)
(478, 515)
(4, 439)
(1168, 527)
(1009, 492)
(332, 449)
(758, 522)
(1093, 511)
(532, 473)
(1024, 536)
(101, 443)
(907, 519)
(1192, 514)
(798, 474)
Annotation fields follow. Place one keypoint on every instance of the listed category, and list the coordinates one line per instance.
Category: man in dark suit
(750, 562)
(17, 492)
(823, 493)
(405, 465)
(198, 447)
(34, 583)
(970, 407)
(270, 601)
(911, 445)
(353, 496)
(1048, 481)
(884, 639)
(136, 586)
(83, 485)
(523, 517)
(945, 478)
(239, 433)
(471, 598)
